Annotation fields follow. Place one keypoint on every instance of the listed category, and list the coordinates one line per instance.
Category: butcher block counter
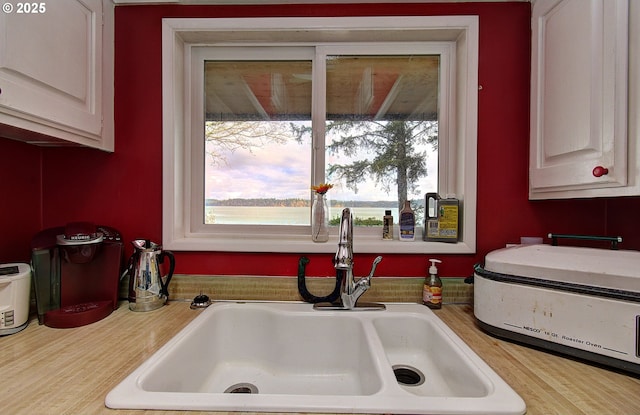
(70, 371)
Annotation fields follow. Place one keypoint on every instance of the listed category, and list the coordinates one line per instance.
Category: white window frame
(181, 157)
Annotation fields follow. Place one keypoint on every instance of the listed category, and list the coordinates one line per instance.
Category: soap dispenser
(432, 290)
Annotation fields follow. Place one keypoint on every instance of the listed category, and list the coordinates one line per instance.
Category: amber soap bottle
(432, 290)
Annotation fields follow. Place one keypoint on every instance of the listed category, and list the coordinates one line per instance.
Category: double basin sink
(289, 357)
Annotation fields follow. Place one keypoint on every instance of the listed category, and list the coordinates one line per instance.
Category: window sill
(304, 244)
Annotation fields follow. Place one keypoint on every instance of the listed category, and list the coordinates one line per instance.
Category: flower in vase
(322, 188)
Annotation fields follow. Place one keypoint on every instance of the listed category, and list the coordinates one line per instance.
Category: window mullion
(194, 150)
(318, 115)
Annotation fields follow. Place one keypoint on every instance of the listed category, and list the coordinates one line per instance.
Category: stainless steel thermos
(148, 288)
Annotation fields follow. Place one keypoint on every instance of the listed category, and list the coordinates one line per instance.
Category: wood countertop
(70, 371)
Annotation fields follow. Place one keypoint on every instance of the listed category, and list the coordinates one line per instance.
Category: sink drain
(242, 388)
(408, 376)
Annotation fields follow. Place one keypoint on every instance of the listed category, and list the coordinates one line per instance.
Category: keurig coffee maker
(76, 271)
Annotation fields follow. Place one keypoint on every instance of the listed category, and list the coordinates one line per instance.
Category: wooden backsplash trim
(383, 289)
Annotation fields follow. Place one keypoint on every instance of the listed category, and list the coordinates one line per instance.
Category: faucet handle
(364, 283)
(374, 265)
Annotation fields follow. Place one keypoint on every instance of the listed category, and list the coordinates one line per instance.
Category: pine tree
(393, 145)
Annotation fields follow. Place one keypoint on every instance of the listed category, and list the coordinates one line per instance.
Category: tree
(229, 136)
(393, 145)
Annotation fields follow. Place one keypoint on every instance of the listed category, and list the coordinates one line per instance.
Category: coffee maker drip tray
(78, 314)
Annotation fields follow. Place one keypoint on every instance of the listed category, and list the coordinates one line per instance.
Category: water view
(278, 215)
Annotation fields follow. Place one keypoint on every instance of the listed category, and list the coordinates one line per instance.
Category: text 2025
(31, 8)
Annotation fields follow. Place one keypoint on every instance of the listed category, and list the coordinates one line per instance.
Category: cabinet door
(51, 67)
(579, 95)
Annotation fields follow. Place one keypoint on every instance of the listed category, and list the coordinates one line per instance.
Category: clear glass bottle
(319, 219)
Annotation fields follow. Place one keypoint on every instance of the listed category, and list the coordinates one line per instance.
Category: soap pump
(432, 290)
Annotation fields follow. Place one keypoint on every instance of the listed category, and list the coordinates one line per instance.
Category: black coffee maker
(76, 270)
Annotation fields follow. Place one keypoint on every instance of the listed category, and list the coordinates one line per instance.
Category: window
(258, 124)
(252, 123)
(256, 168)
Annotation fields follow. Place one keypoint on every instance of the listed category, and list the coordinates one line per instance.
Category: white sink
(288, 357)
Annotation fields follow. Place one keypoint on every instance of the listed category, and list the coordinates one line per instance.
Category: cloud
(274, 170)
(284, 171)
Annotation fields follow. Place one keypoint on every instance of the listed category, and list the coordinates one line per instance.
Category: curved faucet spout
(351, 290)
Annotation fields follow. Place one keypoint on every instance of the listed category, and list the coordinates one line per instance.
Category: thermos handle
(172, 265)
(130, 271)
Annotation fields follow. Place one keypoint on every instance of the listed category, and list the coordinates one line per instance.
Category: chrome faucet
(351, 290)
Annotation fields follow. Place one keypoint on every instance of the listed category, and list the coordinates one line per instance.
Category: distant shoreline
(295, 202)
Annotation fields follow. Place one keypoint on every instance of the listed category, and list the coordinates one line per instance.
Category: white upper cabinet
(56, 71)
(582, 141)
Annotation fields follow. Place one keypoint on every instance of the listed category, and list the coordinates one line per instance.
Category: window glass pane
(382, 133)
(257, 170)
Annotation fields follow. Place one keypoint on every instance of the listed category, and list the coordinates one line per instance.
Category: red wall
(124, 189)
(20, 199)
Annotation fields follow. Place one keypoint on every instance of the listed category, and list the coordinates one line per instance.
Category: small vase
(319, 219)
